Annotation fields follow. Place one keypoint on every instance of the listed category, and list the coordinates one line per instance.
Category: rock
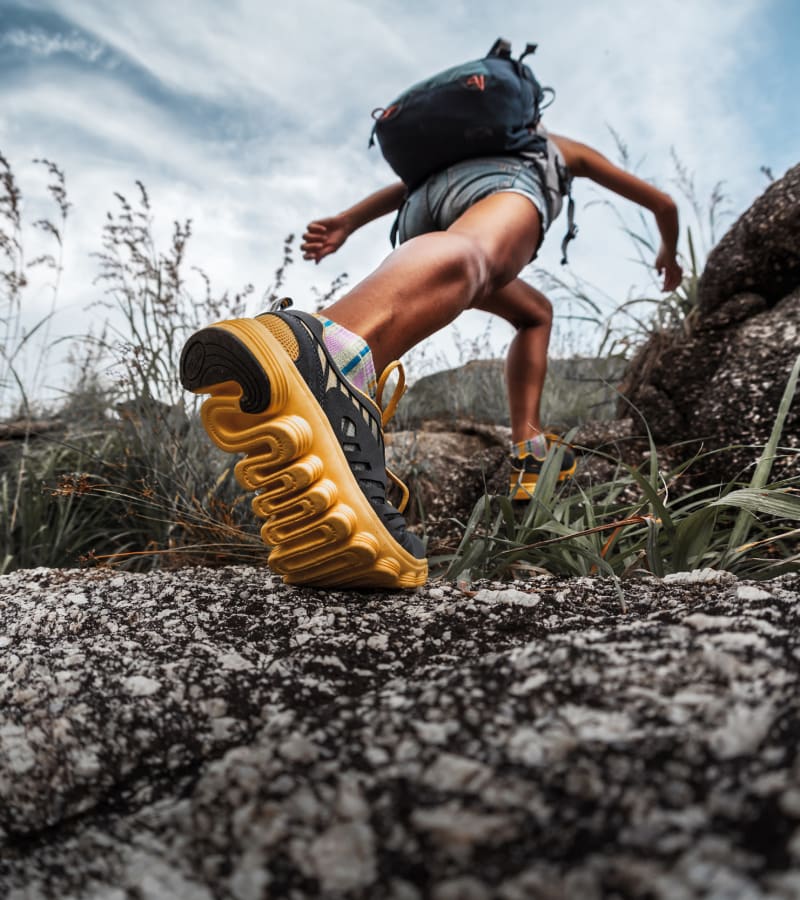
(508, 595)
(343, 857)
(715, 383)
(719, 385)
(760, 253)
(474, 391)
(482, 747)
(446, 472)
(576, 390)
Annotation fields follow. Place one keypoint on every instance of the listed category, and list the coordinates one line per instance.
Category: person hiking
(299, 393)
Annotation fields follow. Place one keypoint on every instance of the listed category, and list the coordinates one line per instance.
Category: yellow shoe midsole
(319, 522)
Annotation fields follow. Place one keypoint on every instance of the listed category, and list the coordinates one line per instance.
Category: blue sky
(251, 118)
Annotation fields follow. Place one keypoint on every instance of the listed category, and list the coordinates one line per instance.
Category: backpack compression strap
(572, 229)
(501, 49)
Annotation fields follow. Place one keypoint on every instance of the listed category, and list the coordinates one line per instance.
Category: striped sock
(536, 446)
(352, 354)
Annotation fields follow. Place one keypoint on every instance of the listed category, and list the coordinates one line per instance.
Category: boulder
(447, 468)
(720, 383)
(577, 389)
(717, 381)
(204, 734)
(474, 391)
(760, 253)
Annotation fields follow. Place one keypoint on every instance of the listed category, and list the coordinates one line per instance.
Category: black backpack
(486, 107)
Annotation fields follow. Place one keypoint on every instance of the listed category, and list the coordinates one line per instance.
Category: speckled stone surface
(214, 734)
(760, 251)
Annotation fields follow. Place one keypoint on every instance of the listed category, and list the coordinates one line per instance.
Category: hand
(323, 237)
(667, 265)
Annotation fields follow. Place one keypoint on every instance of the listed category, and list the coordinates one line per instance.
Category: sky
(252, 118)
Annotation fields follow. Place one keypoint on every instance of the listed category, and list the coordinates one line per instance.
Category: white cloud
(303, 55)
(40, 43)
(292, 86)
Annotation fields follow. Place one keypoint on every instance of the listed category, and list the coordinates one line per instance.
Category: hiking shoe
(525, 470)
(314, 451)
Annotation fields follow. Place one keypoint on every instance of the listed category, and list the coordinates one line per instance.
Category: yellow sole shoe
(313, 451)
(523, 484)
(526, 470)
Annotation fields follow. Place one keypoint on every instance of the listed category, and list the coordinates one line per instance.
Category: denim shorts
(446, 195)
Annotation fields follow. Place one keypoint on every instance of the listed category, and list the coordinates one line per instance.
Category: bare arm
(324, 236)
(584, 161)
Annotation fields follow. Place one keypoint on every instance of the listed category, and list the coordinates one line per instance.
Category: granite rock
(715, 383)
(718, 385)
(577, 389)
(760, 252)
(206, 734)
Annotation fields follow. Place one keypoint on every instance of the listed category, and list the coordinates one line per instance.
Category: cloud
(43, 44)
(303, 55)
(252, 118)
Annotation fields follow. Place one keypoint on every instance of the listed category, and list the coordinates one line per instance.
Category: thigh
(507, 228)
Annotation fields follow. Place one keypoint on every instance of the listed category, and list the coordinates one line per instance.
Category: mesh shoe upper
(354, 418)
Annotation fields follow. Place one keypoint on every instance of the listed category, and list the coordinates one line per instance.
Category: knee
(487, 272)
(536, 312)
(462, 259)
(544, 311)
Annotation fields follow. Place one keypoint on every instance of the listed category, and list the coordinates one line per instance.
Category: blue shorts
(446, 195)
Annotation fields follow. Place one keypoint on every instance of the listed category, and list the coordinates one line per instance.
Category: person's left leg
(531, 313)
(313, 443)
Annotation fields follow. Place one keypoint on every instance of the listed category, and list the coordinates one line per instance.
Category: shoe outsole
(320, 526)
(522, 488)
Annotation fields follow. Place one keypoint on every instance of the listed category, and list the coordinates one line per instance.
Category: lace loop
(388, 413)
(404, 492)
(397, 394)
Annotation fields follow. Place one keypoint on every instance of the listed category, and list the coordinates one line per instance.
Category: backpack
(486, 107)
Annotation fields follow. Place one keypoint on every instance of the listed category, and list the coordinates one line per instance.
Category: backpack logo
(476, 81)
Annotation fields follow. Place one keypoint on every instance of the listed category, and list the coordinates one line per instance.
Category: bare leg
(424, 284)
(531, 313)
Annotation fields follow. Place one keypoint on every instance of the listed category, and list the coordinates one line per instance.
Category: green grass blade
(741, 528)
(770, 502)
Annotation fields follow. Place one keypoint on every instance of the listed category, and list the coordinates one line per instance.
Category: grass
(630, 523)
(128, 478)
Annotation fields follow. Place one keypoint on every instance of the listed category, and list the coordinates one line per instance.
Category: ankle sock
(536, 446)
(352, 354)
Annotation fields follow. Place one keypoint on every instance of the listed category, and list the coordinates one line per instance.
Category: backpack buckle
(501, 48)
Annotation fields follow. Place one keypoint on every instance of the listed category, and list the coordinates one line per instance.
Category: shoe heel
(218, 361)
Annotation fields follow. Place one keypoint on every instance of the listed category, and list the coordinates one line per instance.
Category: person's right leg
(313, 444)
(531, 313)
(429, 280)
